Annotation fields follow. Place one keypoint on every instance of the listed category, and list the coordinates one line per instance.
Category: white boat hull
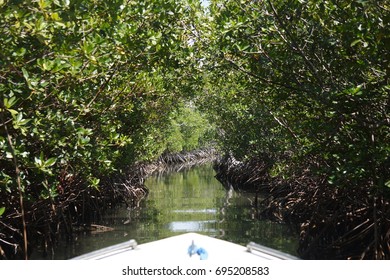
(176, 248)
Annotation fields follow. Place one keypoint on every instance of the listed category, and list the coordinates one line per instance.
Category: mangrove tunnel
(289, 99)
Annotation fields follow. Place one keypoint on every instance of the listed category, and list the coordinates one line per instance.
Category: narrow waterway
(186, 201)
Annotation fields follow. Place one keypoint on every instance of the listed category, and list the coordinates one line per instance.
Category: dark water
(187, 201)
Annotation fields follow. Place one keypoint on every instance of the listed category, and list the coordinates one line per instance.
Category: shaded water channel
(186, 201)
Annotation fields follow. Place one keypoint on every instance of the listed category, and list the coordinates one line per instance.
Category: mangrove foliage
(295, 94)
(302, 91)
(87, 89)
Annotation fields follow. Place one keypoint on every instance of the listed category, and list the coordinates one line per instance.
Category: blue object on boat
(192, 249)
(202, 253)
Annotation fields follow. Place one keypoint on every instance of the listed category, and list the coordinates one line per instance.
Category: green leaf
(45, 64)
(55, 16)
(2, 210)
(13, 112)
(43, 4)
(19, 117)
(50, 162)
(355, 42)
(25, 74)
(8, 103)
(94, 183)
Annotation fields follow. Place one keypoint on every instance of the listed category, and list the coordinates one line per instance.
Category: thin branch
(293, 45)
(284, 125)
(270, 82)
(18, 181)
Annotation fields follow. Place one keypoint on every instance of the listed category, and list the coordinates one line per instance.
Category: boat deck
(176, 248)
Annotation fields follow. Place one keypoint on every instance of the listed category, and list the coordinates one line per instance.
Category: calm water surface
(186, 201)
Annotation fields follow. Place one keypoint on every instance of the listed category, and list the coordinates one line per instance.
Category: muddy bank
(77, 207)
(333, 223)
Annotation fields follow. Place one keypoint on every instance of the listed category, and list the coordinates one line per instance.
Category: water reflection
(192, 226)
(211, 211)
(193, 200)
(190, 200)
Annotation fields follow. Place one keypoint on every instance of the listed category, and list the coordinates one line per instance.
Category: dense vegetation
(303, 86)
(310, 78)
(89, 88)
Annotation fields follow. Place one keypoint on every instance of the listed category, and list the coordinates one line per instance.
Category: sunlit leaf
(50, 162)
(2, 209)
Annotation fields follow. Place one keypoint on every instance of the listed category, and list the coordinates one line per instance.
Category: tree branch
(18, 180)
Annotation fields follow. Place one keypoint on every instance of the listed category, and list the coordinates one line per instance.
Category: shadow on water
(186, 201)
